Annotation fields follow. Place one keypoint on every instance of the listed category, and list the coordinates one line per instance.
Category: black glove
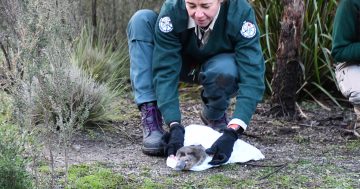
(174, 139)
(222, 147)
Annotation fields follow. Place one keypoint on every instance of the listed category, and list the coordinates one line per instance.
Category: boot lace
(152, 118)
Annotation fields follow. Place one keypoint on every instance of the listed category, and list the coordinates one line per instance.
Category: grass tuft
(101, 58)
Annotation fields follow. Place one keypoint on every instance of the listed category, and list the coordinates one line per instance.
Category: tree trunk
(114, 18)
(93, 5)
(94, 21)
(287, 73)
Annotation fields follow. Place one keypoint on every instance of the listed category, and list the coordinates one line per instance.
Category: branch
(261, 165)
(6, 55)
(276, 170)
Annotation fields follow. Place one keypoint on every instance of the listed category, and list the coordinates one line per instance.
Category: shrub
(68, 96)
(13, 172)
(52, 97)
(103, 59)
(58, 100)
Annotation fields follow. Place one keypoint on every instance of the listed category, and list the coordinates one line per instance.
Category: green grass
(94, 176)
(220, 181)
(301, 174)
(320, 176)
(150, 184)
(353, 145)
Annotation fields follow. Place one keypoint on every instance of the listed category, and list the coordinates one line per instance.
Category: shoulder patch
(165, 24)
(248, 30)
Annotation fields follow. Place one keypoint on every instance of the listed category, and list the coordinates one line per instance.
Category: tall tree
(287, 73)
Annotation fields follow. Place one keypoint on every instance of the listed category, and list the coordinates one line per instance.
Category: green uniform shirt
(346, 32)
(173, 40)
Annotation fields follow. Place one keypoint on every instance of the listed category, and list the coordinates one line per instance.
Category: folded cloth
(206, 136)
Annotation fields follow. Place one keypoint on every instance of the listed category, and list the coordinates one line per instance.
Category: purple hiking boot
(152, 122)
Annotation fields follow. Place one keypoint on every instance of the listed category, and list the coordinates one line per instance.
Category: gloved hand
(222, 147)
(174, 139)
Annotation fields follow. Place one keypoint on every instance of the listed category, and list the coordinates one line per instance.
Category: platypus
(190, 156)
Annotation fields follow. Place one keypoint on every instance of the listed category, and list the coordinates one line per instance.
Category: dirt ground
(312, 152)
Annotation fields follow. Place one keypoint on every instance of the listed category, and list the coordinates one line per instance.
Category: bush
(100, 57)
(52, 97)
(13, 172)
(67, 97)
(58, 100)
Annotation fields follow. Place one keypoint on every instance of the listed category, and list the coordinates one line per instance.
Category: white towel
(199, 134)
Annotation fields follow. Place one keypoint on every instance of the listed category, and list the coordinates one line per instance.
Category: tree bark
(93, 5)
(114, 18)
(287, 72)
(94, 21)
(7, 59)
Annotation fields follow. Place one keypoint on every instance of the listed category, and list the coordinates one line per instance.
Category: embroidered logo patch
(165, 24)
(248, 30)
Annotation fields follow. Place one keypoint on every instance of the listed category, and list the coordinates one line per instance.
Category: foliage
(50, 91)
(57, 103)
(46, 87)
(113, 13)
(13, 172)
(318, 74)
(6, 106)
(65, 95)
(101, 58)
(52, 98)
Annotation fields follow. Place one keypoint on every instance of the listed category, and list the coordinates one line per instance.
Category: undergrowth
(102, 58)
(13, 173)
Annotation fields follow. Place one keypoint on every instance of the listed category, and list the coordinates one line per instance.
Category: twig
(276, 170)
(300, 111)
(309, 125)
(6, 55)
(261, 165)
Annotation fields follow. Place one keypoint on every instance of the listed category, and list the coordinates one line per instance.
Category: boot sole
(153, 151)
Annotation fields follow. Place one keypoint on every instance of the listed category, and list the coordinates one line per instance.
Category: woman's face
(202, 11)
